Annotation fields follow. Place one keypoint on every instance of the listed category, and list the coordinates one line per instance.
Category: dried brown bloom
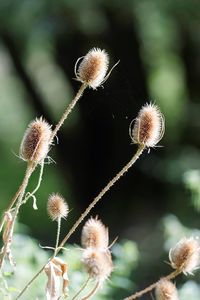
(57, 207)
(149, 126)
(185, 256)
(35, 143)
(93, 68)
(166, 290)
(94, 234)
(98, 263)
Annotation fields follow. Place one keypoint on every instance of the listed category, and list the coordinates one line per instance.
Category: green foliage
(192, 182)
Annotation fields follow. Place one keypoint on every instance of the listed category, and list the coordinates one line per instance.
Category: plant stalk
(30, 168)
(88, 209)
(68, 111)
(152, 286)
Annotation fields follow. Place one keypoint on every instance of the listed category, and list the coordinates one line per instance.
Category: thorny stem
(12, 203)
(21, 191)
(57, 235)
(152, 286)
(29, 171)
(88, 209)
(54, 132)
(68, 111)
(82, 288)
(102, 193)
(92, 292)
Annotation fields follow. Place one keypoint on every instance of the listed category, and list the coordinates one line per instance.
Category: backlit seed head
(57, 207)
(98, 263)
(35, 143)
(185, 256)
(93, 68)
(149, 126)
(94, 234)
(166, 290)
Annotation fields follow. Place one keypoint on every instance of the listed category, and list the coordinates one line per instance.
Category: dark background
(158, 44)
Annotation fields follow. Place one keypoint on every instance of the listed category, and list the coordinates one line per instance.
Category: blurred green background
(158, 44)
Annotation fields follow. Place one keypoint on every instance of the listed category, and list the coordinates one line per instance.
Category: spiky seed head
(35, 143)
(149, 126)
(57, 207)
(94, 234)
(185, 256)
(97, 263)
(166, 290)
(93, 68)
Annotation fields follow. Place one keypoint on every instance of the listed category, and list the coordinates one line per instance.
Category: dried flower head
(98, 263)
(57, 207)
(185, 255)
(35, 143)
(94, 234)
(149, 126)
(166, 290)
(93, 68)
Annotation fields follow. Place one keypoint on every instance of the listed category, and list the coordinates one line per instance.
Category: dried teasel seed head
(166, 290)
(94, 234)
(35, 143)
(185, 256)
(98, 263)
(93, 68)
(57, 207)
(149, 126)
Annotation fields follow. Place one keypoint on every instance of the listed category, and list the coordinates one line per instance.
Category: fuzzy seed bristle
(149, 126)
(185, 256)
(35, 143)
(94, 234)
(93, 68)
(57, 207)
(166, 290)
(98, 263)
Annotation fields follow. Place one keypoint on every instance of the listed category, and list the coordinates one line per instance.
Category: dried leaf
(56, 271)
(7, 238)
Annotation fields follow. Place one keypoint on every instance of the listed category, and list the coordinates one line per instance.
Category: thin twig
(152, 286)
(57, 235)
(92, 292)
(88, 209)
(31, 194)
(82, 288)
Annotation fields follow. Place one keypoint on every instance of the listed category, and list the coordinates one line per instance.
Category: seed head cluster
(97, 263)
(96, 254)
(35, 143)
(93, 68)
(57, 207)
(185, 256)
(166, 290)
(94, 234)
(149, 126)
